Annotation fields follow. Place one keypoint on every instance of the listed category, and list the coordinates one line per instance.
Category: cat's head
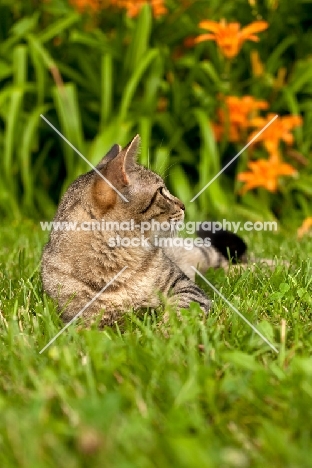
(124, 190)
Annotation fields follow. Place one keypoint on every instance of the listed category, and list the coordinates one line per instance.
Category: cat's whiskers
(158, 171)
(171, 237)
(163, 176)
(163, 167)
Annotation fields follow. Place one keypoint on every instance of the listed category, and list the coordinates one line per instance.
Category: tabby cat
(76, 265)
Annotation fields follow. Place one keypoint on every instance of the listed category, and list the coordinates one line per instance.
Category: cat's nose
(180, 204)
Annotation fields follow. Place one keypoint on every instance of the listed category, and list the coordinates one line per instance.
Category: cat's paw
(204, 303)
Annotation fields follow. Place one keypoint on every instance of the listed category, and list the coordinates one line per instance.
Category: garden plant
(221, 95)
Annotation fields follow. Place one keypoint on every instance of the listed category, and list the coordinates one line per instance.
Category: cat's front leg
(183, 291)
(201, 258)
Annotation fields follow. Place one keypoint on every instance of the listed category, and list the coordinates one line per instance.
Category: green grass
(189, 394)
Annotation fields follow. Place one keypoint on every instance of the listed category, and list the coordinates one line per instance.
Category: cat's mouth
(178, 216)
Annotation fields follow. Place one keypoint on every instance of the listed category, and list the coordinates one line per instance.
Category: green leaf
(209, 166)
(284, 288)
(104, 140)
(145, 130)
(209, 69)
(58, 27)
(242, 360)
(67, 106)
(106, 88)
(134, 81)
(266, 329)
(301, 77)
(28, 144)
(273, 61)
(5, 69)
(182, 188)
(139, 39)
(25, 25)
(12, 128)
(42, 51)
(20, 64)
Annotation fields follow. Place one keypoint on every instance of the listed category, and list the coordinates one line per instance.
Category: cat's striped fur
(76, 265)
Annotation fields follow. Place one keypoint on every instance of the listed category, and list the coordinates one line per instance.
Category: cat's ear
(127, 155)
(116, 168)
(131, 152)
(113, 152)
(115, 171)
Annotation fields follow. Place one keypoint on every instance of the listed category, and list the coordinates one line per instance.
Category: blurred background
(196, 79)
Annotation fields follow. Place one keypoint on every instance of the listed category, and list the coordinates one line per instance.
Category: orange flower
(87, 5)
(305, 227)
(264, 173)
(229, 36)
(236, 116)
(133, 7)
(279, 130)
(256, 64)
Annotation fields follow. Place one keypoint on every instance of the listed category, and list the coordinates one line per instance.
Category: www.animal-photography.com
(155, 243)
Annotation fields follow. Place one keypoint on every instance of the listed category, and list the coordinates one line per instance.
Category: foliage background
(197, 393)
(102, 77)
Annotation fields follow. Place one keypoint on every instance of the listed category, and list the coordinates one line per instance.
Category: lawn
(191, 393)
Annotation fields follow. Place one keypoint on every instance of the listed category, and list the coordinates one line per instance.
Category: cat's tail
(229, 245)
(233, 249)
